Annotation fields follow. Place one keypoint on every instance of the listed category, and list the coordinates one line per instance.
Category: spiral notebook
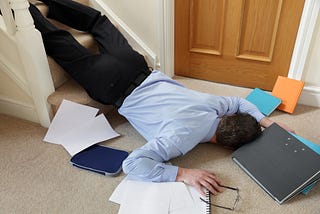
(208, 200)
(158, 198)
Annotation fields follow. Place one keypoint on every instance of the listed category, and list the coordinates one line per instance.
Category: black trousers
(109, 76)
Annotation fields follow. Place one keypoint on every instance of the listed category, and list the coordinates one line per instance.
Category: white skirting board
(310, 96)
(18, 109)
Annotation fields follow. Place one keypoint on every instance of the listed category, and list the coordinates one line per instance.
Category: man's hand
(199, 179)
(266, 122)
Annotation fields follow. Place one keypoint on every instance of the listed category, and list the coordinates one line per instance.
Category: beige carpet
(36, 177)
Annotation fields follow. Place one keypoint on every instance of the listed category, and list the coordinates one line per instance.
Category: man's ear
(214, 139)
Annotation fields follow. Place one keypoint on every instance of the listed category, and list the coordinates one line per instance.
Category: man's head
(236, 130)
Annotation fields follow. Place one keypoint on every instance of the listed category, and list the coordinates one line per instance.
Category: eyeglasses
(223, 207)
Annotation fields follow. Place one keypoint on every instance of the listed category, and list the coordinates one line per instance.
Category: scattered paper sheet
(145, 198)
(158, 198)
(76, 128)
(94, 131)
(69, 116)
(185, 201)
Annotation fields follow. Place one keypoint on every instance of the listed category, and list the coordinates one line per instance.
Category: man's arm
(245, 106)
(147, 163)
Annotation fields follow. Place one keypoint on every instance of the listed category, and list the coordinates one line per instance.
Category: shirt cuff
(170, 173)
(258, 116)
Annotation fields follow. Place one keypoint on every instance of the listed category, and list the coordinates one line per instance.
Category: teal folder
(314, 147)
(266, 103)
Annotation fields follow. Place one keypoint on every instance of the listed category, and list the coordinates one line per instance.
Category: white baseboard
(310, 96)
(18, 109)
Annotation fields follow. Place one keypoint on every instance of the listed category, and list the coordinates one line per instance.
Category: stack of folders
(280, 163)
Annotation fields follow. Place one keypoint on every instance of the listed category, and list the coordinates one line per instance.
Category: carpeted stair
(65, 87)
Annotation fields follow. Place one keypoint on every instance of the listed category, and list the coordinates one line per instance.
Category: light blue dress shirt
(173, 119)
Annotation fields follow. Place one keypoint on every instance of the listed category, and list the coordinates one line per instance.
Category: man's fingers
(209, 187)
(212, 181)
(215, 184)
(200, 179)
(213, 176)
(210, 184)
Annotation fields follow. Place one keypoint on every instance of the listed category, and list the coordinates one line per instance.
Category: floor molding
(310, 96)
(18, 109)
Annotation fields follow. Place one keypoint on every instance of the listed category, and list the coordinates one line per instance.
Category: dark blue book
(100, 159)
(279, 163)
(266, 103)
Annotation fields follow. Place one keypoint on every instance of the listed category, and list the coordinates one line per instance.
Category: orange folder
(289, 91)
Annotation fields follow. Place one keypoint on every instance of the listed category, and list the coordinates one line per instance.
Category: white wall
(311, 74)
(141, 16)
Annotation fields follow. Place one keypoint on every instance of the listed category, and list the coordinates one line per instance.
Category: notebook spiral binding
(208, 200)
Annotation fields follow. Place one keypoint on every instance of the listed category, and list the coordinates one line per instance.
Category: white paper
(145, 198)
(69, 116)
(181, 202)
(158, 198)
(94, 131)
(76, 128)
(199, 205)
(119, 193)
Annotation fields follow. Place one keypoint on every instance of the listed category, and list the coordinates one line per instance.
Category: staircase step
(71, 90)
(58, 74)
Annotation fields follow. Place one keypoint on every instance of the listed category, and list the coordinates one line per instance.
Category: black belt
(134, 84)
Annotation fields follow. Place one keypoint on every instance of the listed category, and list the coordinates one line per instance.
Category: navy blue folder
(100, 159)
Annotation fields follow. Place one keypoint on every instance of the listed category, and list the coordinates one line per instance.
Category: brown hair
(236, 130)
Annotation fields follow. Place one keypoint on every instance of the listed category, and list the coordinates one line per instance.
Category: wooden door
(239, 42)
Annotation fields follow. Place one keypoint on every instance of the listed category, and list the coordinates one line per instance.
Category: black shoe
(40, 22)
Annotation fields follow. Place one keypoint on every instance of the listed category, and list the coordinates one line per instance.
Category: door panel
(240, 42)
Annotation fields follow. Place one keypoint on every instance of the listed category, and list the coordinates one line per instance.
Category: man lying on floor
(173, 119)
